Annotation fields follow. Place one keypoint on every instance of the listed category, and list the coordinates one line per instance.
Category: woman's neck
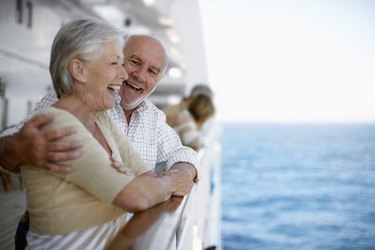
(79, 108)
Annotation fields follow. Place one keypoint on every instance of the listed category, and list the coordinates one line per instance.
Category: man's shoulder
(151, 107)
(152, 113)
(47, 100)
(51, 96)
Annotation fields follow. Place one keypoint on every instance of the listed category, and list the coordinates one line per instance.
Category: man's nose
(141, 74)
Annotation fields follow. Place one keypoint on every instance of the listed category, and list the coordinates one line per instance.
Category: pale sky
(291, 61)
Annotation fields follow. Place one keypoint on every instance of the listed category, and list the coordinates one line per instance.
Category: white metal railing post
(202, 211)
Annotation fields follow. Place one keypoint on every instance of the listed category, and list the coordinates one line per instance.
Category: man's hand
(39, 148)
(183, 175)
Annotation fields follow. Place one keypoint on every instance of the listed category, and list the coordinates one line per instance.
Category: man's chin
(130, 106)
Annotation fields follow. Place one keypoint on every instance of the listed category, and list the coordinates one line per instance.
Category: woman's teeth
(114, 87)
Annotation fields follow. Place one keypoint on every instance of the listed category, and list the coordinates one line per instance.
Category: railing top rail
(145, 227)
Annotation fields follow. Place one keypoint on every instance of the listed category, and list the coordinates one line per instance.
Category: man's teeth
(114, 87)
(136, 87)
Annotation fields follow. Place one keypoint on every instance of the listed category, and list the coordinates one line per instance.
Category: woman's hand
(121, 167)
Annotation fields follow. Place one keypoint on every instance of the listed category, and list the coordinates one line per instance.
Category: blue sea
(291, 186)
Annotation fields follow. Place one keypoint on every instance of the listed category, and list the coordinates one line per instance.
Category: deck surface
(12, 206)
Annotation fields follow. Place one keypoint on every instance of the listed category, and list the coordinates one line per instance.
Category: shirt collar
(143, 106)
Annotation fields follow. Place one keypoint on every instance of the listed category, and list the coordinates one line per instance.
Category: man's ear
(77, 70)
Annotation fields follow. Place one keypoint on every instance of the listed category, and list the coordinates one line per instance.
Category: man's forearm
(8, 153)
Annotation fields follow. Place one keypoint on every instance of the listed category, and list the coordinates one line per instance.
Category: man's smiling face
(145, 63)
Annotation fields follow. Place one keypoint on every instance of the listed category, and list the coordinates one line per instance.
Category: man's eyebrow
(135, 57)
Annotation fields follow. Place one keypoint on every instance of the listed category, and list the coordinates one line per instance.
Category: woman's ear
(77, 70)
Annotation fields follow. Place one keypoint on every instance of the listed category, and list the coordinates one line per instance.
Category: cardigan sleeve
(92, 171)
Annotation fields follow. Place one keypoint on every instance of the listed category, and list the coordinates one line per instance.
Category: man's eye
(133, 62)
(153, 73)
(114, 63)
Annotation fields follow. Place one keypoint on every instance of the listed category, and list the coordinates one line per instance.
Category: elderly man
(138, 118)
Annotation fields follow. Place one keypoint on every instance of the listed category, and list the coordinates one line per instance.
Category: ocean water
(298, 187)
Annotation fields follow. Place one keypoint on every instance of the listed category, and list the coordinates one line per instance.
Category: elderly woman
(86, 207)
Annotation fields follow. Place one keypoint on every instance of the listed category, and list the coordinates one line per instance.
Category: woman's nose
(123, 73)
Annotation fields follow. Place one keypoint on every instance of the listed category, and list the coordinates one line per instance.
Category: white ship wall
(24, 55)
(25, 51)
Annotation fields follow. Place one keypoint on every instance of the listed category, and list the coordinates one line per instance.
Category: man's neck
(128, 114)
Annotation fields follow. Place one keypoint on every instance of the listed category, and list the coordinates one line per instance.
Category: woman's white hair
(80, 38)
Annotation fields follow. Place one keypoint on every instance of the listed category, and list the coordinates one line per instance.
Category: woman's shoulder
(51, 110)
(61, 118)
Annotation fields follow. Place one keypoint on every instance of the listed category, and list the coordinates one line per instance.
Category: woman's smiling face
(104, 76)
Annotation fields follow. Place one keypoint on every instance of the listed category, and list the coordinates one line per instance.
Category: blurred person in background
(190, 115)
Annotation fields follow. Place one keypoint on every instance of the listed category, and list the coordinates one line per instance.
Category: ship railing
(182, 223)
